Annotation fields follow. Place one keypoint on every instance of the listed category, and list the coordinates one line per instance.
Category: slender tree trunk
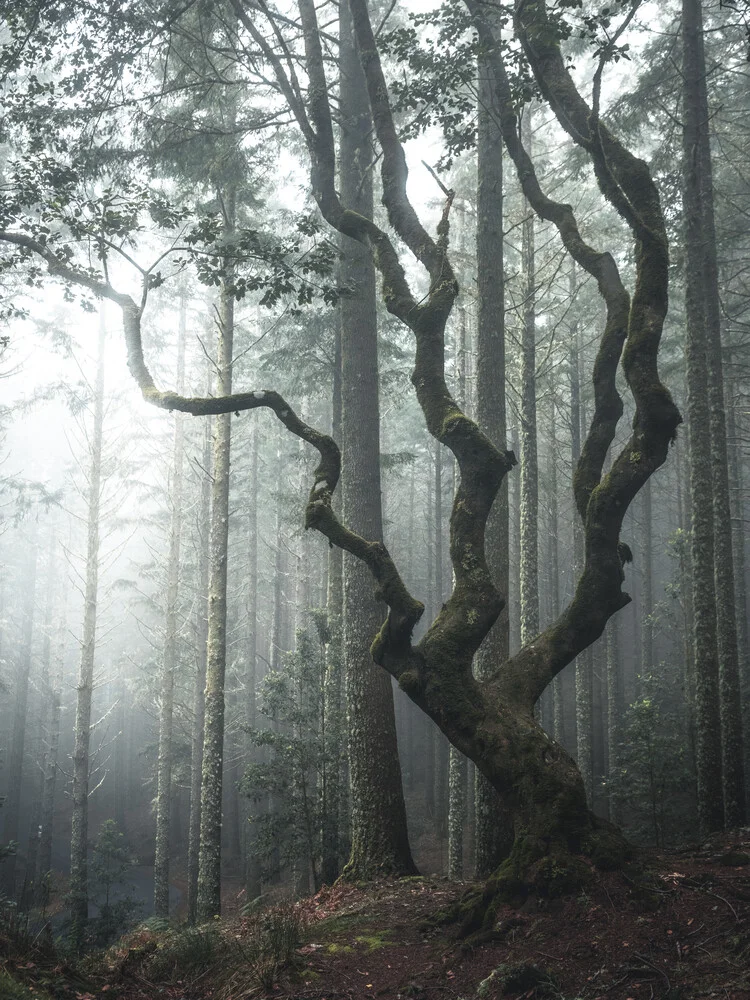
(78, 891)
(209, 860)
(736, 492)
(647, 605)
(615, 708)
(493, 835)
(253, 885)
(380, 843)
(708, 731)
(584, 679)
(53, 743)
(201, 643)
(558, 713)
(733, 777)
(169, 656)
(12, 804)
(333, 730)
(529, 500)
(49, 694)
(457, 762)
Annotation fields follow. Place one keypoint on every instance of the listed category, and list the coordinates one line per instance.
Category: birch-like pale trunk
(78, 892)
(253, 886)
(171, 637)
(209, 858)
(44, 865)
(48, 702)
(201, 659)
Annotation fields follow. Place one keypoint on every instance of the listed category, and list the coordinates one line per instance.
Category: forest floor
(686, 935)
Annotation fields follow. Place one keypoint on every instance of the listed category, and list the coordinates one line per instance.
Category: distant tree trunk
(647, 604)
(169, 655)
(201, 644)
(79, 892)
(12, 804)
(380, 842)
(53, 742)
(529, 499)
(615, 709)
(253, 885)
(558, 713)
(584, 679)
(493, 834)
(209, 860)
(708, 730)
(697, 124)
(333, 733)
(48, 697)
(457, 762)
(736, 493)
(441, 745)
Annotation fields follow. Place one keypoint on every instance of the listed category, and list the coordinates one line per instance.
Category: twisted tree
(491, 719)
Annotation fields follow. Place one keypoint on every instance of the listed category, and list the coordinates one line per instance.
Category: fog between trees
(349, 525)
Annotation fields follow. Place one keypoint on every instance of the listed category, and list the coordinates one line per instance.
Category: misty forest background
(119, 521)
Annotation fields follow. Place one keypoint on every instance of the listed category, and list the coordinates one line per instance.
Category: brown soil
(681, 933)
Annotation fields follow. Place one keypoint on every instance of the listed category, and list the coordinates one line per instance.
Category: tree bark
(492, 832)
(253, 884)
(79, 891)
(333, 734)
(201, 648)
(380, 842)
(169, 655)
(529, 487)
(12, 804)
(733, 777)
(707, 716)
(53, 740)
(209, 859)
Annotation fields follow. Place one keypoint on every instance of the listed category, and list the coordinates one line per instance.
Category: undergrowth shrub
(239, 960)
(167, 955)
(183, 953)
(266, 947)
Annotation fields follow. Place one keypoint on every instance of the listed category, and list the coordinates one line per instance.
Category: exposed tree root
(534, 869)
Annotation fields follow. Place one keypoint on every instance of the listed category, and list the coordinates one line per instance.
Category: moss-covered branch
(632, 329)
(404, 610)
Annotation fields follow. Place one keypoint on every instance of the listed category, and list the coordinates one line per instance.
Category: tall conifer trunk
(169, 655)
(379, 839)
(708, 720)
(252, 860)
(493, 835)
(209, 860)
(79, 890)
(12, 804)
(529, 486)
(44, 865)
(201, 648)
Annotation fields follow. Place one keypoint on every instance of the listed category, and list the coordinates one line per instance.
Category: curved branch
(601, 266)
(404, 610)
(626, 182)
